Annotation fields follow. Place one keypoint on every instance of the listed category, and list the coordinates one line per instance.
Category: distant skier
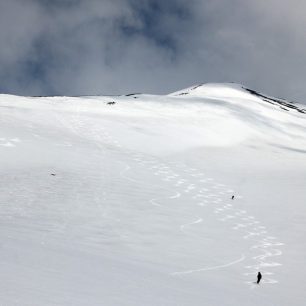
(233, 197)
(259, 276)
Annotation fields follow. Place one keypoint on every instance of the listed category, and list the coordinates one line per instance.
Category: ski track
(74, 127)
(205, 192)
(212, 267)
(199, 220)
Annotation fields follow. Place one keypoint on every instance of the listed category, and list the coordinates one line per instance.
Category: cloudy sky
(75, 47)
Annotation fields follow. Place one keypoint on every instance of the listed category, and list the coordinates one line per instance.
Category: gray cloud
(74, 47)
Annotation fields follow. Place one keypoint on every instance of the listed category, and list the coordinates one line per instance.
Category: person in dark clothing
(259, 276)
(233, 197)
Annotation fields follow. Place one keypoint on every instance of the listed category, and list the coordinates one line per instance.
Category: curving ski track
(205, 192)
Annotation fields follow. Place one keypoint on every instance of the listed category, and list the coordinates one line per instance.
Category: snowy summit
(176, 199)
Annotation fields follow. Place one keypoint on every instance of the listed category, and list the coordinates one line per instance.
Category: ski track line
(235, 214)
(153, 201)
(191, 223)
(254, 231)
(251, 229)
(211, 267)
(242, 222)
(75, 125)
(240, 216)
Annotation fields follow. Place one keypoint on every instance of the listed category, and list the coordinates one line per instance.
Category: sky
(91, 47)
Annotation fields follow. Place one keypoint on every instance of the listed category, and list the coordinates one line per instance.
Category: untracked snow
(127, 200)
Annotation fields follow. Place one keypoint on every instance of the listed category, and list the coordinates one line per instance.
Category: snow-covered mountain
(127, 200)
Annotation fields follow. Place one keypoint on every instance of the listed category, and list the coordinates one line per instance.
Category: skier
(233, 197)
(259, 276)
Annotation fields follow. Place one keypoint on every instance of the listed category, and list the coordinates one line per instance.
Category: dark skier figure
(233, 197)
(259, 276)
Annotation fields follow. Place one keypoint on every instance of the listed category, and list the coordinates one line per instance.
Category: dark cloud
(160, 21)
(73, 47)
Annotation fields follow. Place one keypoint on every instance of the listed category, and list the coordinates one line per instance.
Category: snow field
(130, 204)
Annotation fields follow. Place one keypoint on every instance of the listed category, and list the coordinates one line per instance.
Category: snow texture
(130, 203)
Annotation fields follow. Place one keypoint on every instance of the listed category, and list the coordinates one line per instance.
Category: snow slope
(129, 203)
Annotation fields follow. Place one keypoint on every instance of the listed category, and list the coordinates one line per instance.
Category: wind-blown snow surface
(130, 203)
